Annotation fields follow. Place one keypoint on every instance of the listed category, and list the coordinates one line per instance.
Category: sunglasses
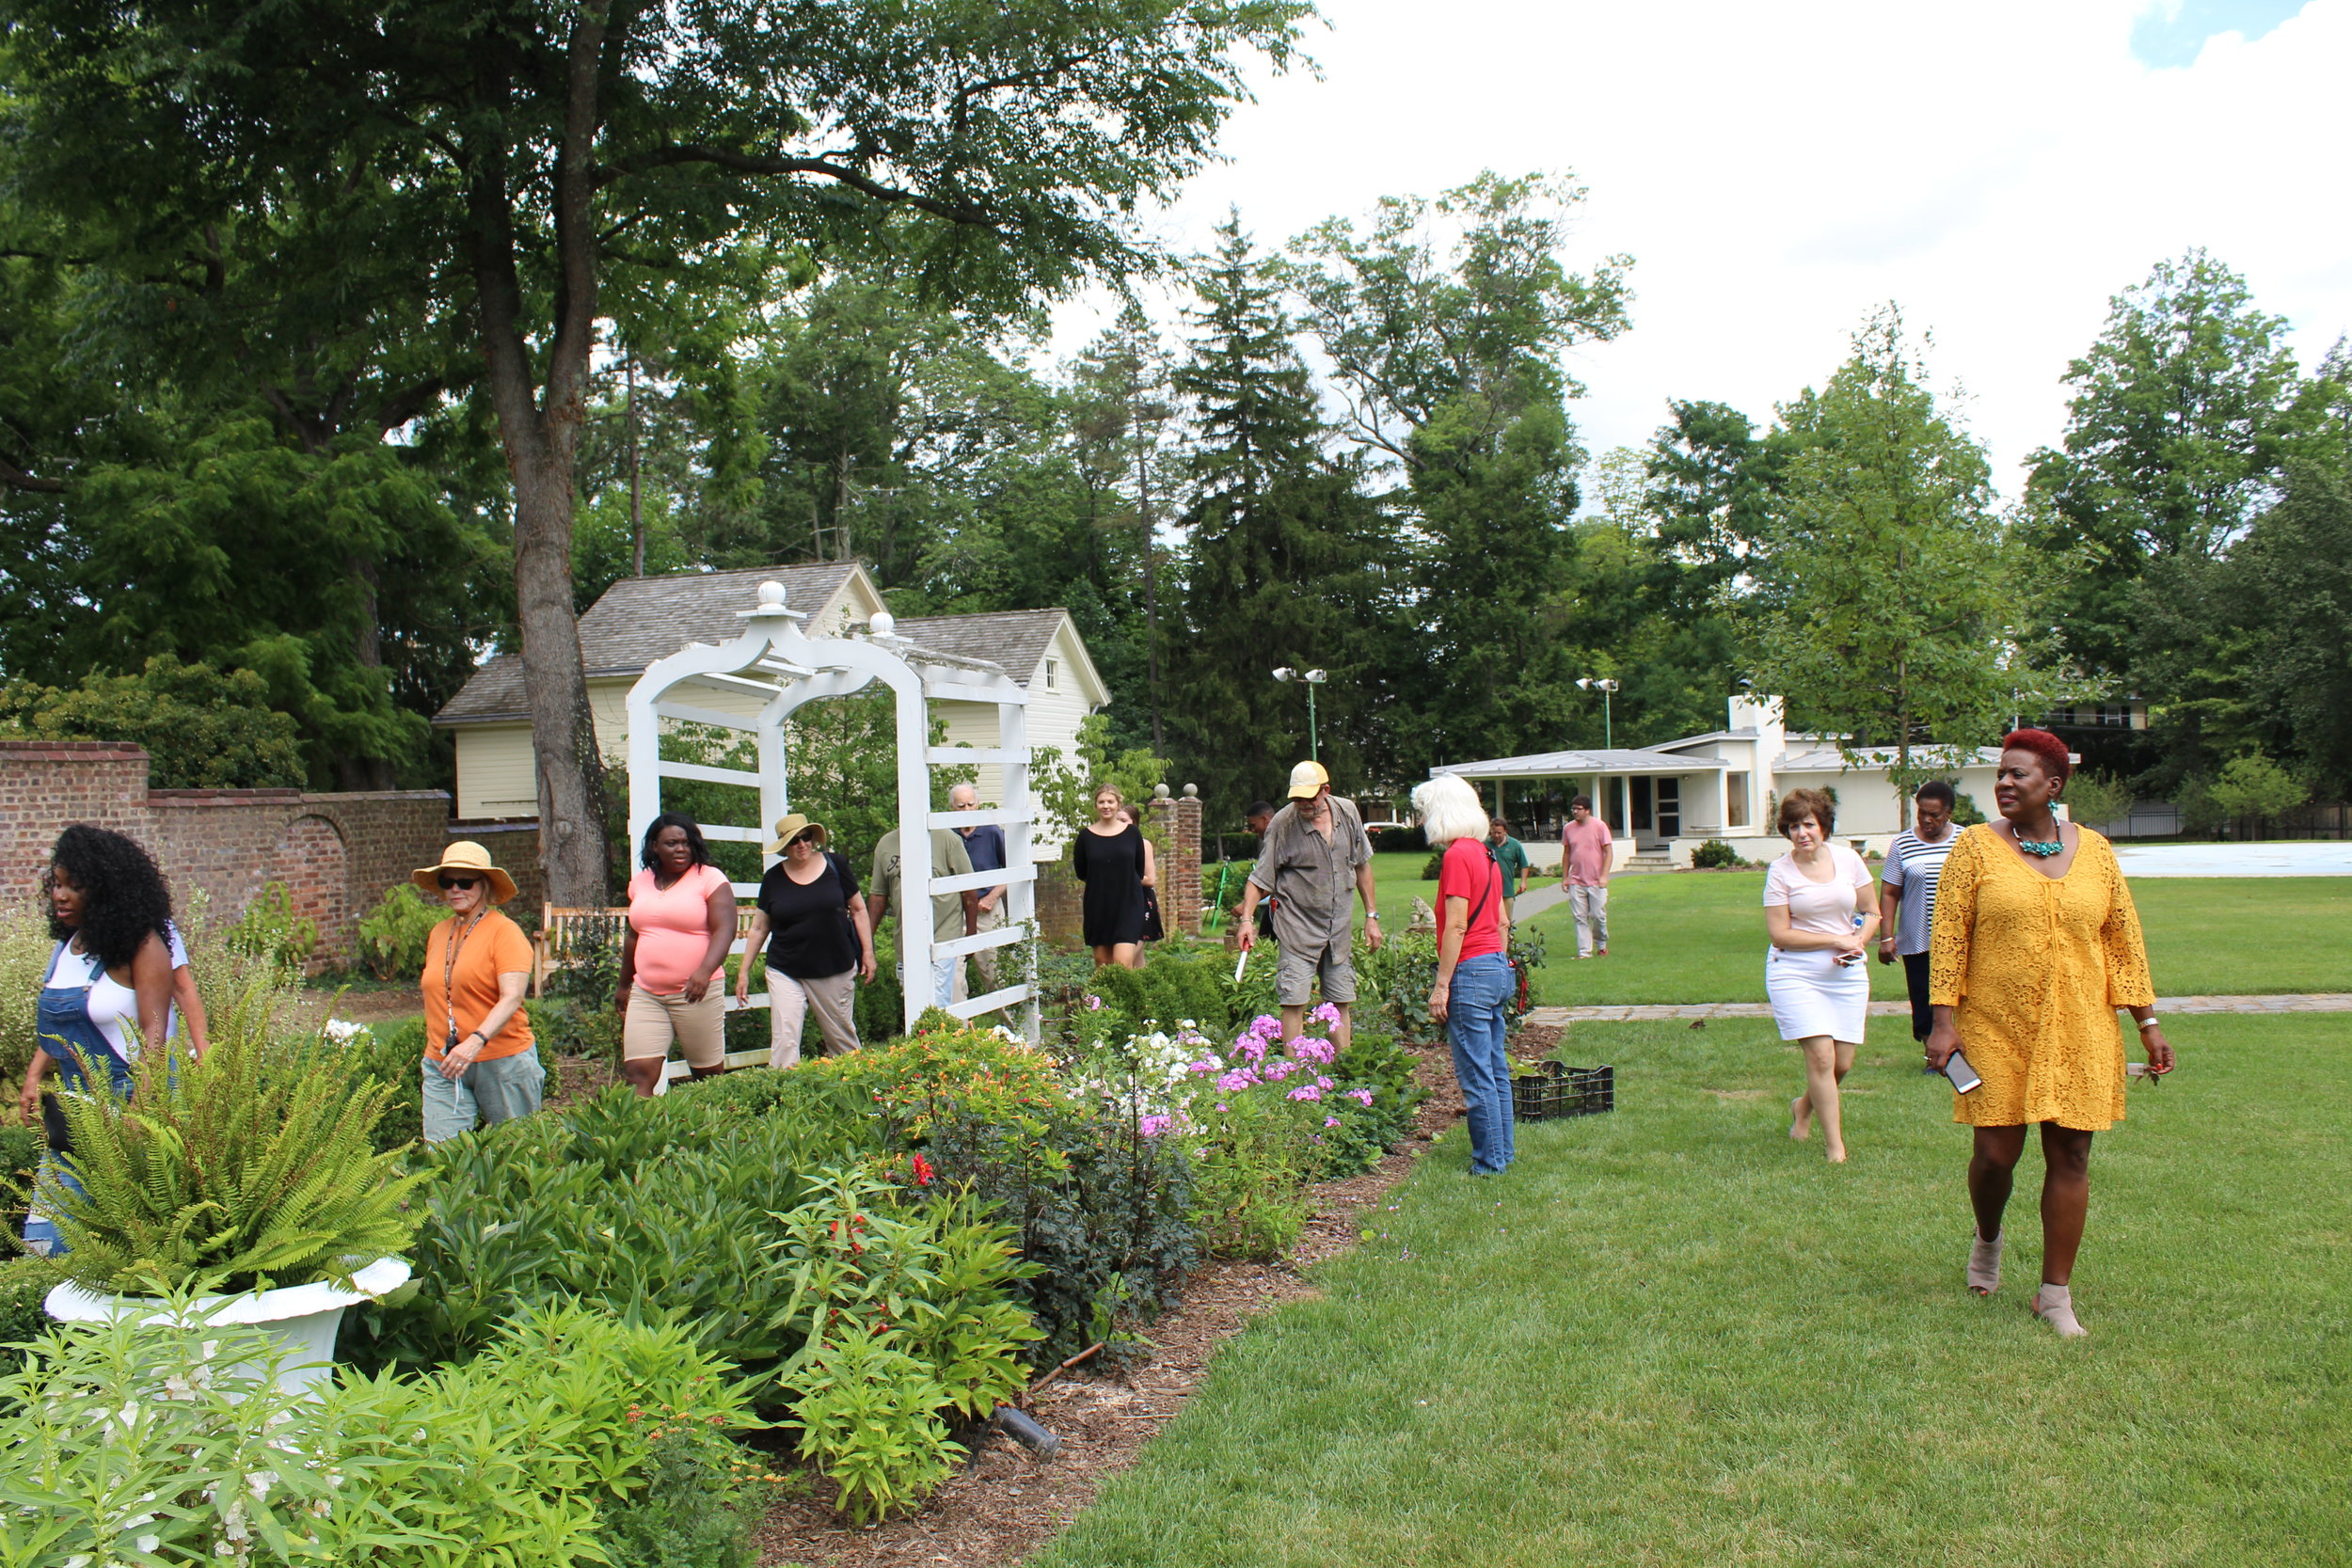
(464, 885)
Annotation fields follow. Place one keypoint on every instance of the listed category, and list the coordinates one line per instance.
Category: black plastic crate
(1560, 1090)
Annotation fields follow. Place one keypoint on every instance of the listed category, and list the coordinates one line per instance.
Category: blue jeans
(1473, 1025)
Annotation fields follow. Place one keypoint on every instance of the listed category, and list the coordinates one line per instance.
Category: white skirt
(1813, 994)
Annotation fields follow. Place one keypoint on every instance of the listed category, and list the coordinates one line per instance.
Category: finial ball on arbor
(1192, 792)
(771, 594)
(1159, 792)
(883, 624)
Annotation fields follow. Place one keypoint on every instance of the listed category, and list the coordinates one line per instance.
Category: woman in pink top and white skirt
(681, 923)
(1820, 913)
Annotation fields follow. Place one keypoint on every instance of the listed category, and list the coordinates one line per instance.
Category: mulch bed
(1007, 1503)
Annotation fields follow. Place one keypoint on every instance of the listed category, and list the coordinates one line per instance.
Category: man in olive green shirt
(953, 914)
(1510, 858)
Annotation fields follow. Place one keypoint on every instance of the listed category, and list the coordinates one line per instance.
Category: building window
(1735, 800)
(1053, 675)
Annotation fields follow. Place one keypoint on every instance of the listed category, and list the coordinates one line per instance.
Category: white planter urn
(303, 1318)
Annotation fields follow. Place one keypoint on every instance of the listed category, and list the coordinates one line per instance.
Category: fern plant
(252, 1169)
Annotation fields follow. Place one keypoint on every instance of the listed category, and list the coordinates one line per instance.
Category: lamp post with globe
(1591, 683)
(1312, 678)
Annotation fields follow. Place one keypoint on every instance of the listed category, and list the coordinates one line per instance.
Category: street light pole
(1312, 678)
(1607, 731)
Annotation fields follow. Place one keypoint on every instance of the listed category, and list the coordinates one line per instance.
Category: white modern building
(639, 620)
(1664, 802)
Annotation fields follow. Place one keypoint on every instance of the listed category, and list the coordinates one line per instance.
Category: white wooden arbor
(784, 668)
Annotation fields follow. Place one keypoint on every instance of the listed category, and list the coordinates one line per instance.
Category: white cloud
(2000, 169)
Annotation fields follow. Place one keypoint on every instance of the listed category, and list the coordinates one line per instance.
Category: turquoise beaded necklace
(2039, 851)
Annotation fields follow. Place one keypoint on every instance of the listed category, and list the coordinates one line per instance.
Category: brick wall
(1179, 865)
(1059, 914)
(513, 847)
(335, 853)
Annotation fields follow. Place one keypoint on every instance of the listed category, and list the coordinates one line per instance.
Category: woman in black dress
(1107, 856)
(822, 942)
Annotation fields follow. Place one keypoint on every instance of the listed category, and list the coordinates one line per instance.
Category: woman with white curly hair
(1473, 985)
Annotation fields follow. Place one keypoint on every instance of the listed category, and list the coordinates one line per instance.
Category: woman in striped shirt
(1907, 893)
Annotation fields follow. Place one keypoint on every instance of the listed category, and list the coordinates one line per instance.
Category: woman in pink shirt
(681, 922)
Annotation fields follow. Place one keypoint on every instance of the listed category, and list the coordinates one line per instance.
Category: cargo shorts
(1297, 968)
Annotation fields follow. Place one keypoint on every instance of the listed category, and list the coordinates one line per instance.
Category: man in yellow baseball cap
(1312, 852)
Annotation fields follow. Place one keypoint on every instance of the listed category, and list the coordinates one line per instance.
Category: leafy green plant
(251, 1168)
(1715, 855)
(271, 929)
(202, 728)
(1435, 863)
(869, 1420)
(1403, 971)
(574, 1439)
(21, 1149)
(392, 935)
(394, 1056)
(24, 1284)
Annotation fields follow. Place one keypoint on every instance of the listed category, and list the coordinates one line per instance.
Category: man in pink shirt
(1584, 856)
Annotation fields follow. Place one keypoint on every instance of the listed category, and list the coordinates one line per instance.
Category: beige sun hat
(1307, 780)
(792, 827)
(460, 857)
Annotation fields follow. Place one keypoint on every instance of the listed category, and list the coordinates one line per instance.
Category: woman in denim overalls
(108, 984)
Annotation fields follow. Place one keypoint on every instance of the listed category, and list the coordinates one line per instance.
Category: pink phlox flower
(1327, 1014)
(1266, 1026)
(1236, 1081)
(1306, 1091)
(1331, 1122)
(1322, 1083)
(1277, 1069)
(1222, 1107)
(1204, 1066)
(1308, 1048)
(1094, 1003)
(1151, 1127)
(1364, 1096)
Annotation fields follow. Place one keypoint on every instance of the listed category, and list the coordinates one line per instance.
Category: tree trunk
(563, 728)
(540, 432)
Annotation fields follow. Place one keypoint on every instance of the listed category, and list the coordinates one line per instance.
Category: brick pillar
(1179, 820)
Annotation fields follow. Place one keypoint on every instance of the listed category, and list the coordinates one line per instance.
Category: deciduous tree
(551, 165)
(1888, 606)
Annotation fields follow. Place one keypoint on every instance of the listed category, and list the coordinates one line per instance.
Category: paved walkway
(2323, 1001)
(2277, 857)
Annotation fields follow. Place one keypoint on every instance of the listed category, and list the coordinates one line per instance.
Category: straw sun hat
(465, 858)
(792, 827)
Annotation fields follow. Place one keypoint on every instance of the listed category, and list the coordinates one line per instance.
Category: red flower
(924, 1175)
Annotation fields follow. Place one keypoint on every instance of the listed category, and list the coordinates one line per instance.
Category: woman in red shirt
(1474, 987)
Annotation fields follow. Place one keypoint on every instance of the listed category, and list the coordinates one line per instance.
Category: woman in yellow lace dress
(2036, 944)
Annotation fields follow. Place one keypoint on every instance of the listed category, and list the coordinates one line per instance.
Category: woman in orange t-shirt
(481, 1065)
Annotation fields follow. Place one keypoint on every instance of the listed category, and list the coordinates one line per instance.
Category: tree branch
(17, 479)
(748, 163)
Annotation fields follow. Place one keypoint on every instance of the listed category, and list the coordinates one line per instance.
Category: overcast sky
(1999, 169)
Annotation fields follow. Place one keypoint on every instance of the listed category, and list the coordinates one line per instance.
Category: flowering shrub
(1261, 1115)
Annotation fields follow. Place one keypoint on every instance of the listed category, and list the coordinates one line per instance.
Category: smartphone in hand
(1963, 1077)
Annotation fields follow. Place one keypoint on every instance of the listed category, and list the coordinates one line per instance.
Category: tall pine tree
(1283, 563)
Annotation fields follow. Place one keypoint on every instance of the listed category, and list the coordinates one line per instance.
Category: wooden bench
(563, 931)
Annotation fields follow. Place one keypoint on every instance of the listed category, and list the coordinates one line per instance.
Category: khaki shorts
(1298, 968)
(698, 1028)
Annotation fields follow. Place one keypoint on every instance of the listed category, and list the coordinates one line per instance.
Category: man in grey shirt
(1312, 856)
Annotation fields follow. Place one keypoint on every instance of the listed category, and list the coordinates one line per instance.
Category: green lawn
(1671, 1336)
(1700, 938)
